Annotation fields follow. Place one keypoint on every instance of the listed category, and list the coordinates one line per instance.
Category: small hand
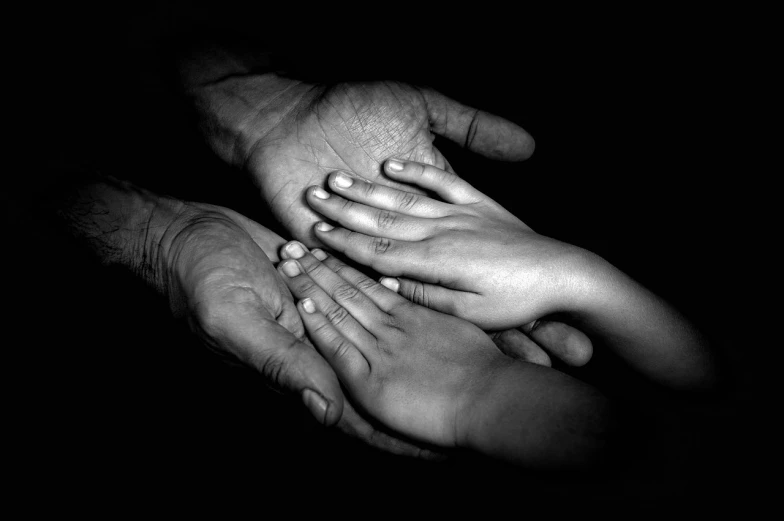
(470, 257)
(413, 368)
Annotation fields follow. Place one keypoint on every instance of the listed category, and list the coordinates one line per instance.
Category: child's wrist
(584, 276)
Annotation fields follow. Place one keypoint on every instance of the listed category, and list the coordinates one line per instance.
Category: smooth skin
(439, 379)
(468, 256)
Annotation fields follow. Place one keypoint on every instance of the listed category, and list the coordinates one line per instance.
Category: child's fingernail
(343, 181)
(320, 193)
(324, 227)
(319, 254)
(391, 283)
(308, 305)
(316, 404)
(394, 165)
(291, 269)
(295, 250)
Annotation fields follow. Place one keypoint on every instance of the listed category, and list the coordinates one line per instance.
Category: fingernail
(295, 250)
(320, 193)
(391, 283)
(319, 254)
(316, 403)
(394, 165)
(343, 181)
(308, 305)
(324, 227)
(291, 269)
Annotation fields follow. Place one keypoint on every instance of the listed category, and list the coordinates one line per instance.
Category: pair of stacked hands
(429, 371)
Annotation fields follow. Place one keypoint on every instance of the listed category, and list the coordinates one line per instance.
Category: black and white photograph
(428, 259)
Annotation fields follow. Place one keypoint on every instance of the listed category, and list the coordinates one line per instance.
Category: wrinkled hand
(223, 280)
(290, 135)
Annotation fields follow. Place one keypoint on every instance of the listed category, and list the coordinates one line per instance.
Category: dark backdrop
(640, 157)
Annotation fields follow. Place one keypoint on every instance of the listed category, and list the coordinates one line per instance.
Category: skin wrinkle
(260, 141)
(471, 134)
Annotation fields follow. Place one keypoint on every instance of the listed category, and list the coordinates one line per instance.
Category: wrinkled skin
(222, 279)
(306, 132)
(288, 135)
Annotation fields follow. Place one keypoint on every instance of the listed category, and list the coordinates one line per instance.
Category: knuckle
(315, 269)
(343, 348)
(371, 190)
(380, 245)
(345, 292)
(407, 200)
(367, 285)
(419, 295)
(336, 315)
(385, 219)
(339, 268)
(272, 368)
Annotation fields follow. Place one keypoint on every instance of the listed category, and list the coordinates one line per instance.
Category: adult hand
(290, 135)
(223, 280)
(219, 275)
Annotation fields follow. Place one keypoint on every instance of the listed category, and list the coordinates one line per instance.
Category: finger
(383, 255)
(345, 358)
(344, 293)
(289, 316)
(431, 296)
(287, 363)
(384, 297)
(568, 344)
(366, 219)
(517, 345)
(302, 286)
(486, 134)
(449, 187)
(385, 197)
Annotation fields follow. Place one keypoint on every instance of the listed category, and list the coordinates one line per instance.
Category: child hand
(477, 261)
(474, 259)
(437, 378)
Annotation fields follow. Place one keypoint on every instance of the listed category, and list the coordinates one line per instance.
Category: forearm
(121, 223)
(540, 418)
(642, 328)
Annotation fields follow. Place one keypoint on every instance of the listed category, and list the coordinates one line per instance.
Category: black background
(645, 155)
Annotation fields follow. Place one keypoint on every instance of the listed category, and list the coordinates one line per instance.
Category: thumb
(429, 295)
(291, 366)
(486, 134)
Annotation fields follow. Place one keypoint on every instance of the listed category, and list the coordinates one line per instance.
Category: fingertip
(341, 180)
(323, 227)
(293, 250)
(390, 283)
(318, 193)
(308, 306)
(290, 268)
(394, 166)
(327, 412)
